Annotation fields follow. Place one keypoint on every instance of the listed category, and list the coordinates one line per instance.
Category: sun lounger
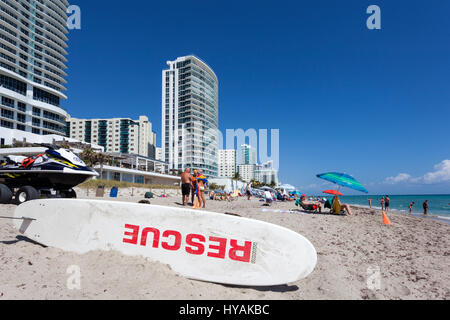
(307, 207)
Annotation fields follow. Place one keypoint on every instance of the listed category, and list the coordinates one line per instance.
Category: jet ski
(54, 172)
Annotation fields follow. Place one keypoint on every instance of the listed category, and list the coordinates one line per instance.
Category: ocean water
(438, 205)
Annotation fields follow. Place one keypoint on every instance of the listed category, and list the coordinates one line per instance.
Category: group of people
(332, 204)
(275, 195)
(424, 205)
(385, 204)
(195, 185)
(221, 196)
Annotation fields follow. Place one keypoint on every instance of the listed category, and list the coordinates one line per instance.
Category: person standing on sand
(249, 194)
(386, 202)
(370, 203)
(201, 191)
(425, 207)
(186, 181)
(410, 207)
(193, 185)
(382, 203)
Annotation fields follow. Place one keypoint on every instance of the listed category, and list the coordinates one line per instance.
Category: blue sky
(371, 103)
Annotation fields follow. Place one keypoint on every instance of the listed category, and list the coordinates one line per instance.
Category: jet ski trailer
(53, 174)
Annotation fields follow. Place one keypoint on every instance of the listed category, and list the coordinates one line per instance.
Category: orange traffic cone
(386, 219)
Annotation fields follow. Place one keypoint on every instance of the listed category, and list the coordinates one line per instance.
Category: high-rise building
(118, 135)
(248, 154)
(266, 173)
(247, 172)
(33, 43)
(158, 154)
(190, 115)
(227, 163)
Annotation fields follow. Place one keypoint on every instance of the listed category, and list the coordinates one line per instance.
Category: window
(7, 102)
(7, 124)
(20, 127)
(36, 111)
(22, 106)
(36, 122)
(36, 131)
(46, 97)
(7, 114)
(21, 117)
(13, 84)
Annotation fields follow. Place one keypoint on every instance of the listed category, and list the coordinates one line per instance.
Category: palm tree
(255, 183)
(236, 178)
(101, 158)
(88, 156)
(92, 158)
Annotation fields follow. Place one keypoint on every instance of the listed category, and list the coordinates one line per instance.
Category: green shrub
(111, 183)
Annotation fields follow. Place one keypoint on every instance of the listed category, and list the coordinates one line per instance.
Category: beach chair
(306, 207)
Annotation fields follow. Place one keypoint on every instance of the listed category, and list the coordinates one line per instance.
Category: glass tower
(33, 42)
(190, 117)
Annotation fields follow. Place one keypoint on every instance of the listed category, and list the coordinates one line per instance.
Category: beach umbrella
(335, 192)
(287, 187)
(265, 188)
(343, 180)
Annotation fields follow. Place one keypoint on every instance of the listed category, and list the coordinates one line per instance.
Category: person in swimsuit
(249, 194)
(382, 203)
(386, 202)
(186, 181)
(425, 207)
(411, 206)
(201, 192)
(193, 185)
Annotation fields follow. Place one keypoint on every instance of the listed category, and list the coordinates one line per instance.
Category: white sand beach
(412, 255)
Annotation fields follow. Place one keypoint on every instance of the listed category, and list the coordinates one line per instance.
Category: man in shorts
(387, 203)
(425, 207)
(186, 181)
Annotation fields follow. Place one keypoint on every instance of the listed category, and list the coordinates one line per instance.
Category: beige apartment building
(116, 135)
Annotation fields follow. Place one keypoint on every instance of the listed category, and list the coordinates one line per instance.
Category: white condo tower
(190, 116)
(33, 36)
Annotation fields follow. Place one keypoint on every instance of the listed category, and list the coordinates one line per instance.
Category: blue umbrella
(343, 179)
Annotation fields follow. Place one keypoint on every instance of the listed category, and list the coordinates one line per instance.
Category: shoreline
(406, 213)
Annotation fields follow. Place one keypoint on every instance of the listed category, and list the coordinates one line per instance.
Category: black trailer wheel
(25, 194)
(5, 194)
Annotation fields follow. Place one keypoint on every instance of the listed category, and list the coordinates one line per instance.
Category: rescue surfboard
(197, 244)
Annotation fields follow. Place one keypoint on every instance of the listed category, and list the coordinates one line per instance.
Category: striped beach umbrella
(343, 180)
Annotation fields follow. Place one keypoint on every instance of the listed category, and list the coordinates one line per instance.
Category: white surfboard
(197, 244)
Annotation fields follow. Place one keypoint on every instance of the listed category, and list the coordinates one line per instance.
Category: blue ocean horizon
(439, 204)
